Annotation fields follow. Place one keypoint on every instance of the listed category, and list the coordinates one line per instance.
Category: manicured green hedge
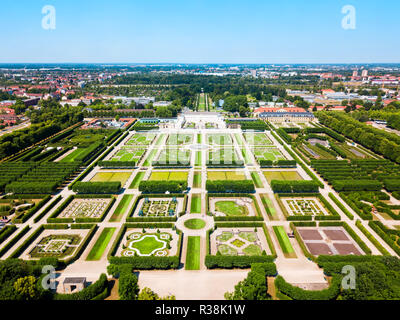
(227, 186)
(230, 262)
(14, 240)
(6, 232)
(357, 185)
(301, 186)
(117, 164)
(162, 186)
(297, 293)
(371, 238)
(148, 263)
(93, 292)
(341, 206)
(97, 187)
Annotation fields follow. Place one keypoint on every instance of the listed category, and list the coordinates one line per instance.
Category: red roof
(274, 109)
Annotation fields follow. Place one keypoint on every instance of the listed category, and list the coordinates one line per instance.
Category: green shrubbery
(302, 186)
(162, 186)
(97, 187)
(227, 186)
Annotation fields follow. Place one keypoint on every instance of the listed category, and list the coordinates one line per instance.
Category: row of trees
(111, 187)
(377, 140)
(162, 186)
(303, 186)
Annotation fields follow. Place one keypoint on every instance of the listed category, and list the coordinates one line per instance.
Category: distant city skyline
(200, 32)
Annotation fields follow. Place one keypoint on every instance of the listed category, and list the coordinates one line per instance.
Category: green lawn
(197, 179)
(257, 139)
(195, 206)
(225, 175)
(284, 242)
(198, 158)
(149, 158)
(101, 244)
(148, 244)
(231, 208)
(281, 175)
(193, 253)
(138, 178)
(71, 157)
(202, 103)
(111, 177)
(195, 224)
(266, 201)
(268, 154)
(121, 208)
(198, 138)
(160, 139)
(246, 156)
(169, 176)
(256, 179)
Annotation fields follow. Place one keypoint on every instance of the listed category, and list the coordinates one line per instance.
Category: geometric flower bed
(232, 206)
(59, 246)
(141, 139)
(173, 156)
(129, 154)
(147, 244)
(85, 208)
(233, 242)
(303, 206)
(328, 241)
(267, 154)
(159, 208)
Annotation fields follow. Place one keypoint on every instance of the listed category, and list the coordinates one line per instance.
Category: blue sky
(200, 31)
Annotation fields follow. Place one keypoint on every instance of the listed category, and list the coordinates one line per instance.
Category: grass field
(220, 139)
(246, 156)
(149, 158)
(193, 253)
(160, 139)
(198, 158)
(169, 176)
(141, 139)
(129, 154)
(201, 106)
(199, 138)
(231, 208)
(223, 155)
(281, 175)
(121, 208)
(174, 156)
(195, 224)
(269, 207)
(71, 157)
(197, 179)
(284, 242)
(268, 154)
(135, 183)
(147, 244)
(111, 176)
(257, 139)
(239, 139)
(195, 206)
(226, 175)
(256, 179)
(175, 139)
(98, 249)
